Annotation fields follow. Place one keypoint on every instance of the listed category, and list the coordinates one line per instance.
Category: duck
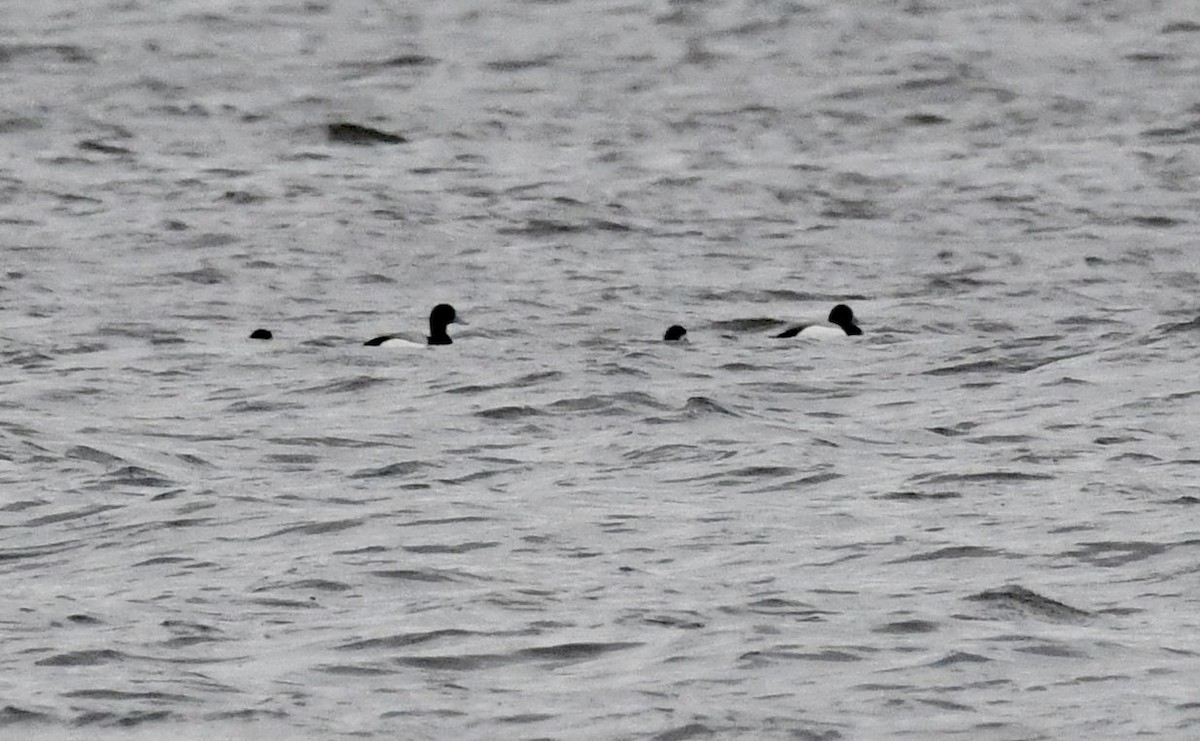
(841, 318)
(442, 316)
(261, 334)
(675, 333)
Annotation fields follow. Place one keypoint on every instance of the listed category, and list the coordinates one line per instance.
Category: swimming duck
(841, 318)
(442, 316)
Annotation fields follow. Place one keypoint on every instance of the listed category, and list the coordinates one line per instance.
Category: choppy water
(977, 522)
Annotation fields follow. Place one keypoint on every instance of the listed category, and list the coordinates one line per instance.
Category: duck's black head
(674, 332)
(442, 316)
(842, 316)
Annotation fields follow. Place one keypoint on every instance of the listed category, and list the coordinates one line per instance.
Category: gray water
(977, 521)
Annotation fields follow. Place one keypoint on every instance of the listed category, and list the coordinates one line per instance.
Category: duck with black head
(841, 324)
(442, 316)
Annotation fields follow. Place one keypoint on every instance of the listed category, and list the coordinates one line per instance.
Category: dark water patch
(1156, 222)
(1181, 27)
(1187, 499)
(751, 324)
(962, 428)
(68, 516)
(132, 476)
(403, 640)
(854, 209)
(83, 658)
(677, 453)
(906, 627)
(286, 604)
(685, 732)
(758, 472)
(743, 367)
(1001, 439)
(764, 295)
(162, 561)
(123, 720)
(1029, 602)
(917, 496)
(683, 619)
(18, 554)
(84, 452)
(1189, 326)
(1143, 458)
(558, 655)
(314, 528)
(1110, 554)
(535, 379)
(444, 521)
(459, 548)
(28, 360)
(293, 458)
(998, 477)
(10, 715)
(521, 65)
(1150, 56)
(701, 406)
(412, 60)
(182, 642)
(524, 718)
(242, 197)
(343, 132)
(344, 385)
(971, 367)
(509, 412)
(400, 468)
(574, 652)
(468, 478)
(373, 279)
(58, 52)
(738, 474)
(348, 670)
(763, 658)
(1055, 650)
(432, 713)
(118, 695)
(945, 704)
(251, 407)
(619, 403)
(421, 575)
(204, 276)
(963, 551)
(555, 227)
(782, 606)
(81, 348)
(960, 657)
(13, 125)
(1001, 365)
(308, 585)
(954, 284)
(80, 619)
(208, 240)
(324, 442)
(23, 504)
(925, 119)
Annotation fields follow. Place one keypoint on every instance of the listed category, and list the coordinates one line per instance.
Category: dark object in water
(261, 334)
(674, 333)
(841, 316)
(348, 133)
